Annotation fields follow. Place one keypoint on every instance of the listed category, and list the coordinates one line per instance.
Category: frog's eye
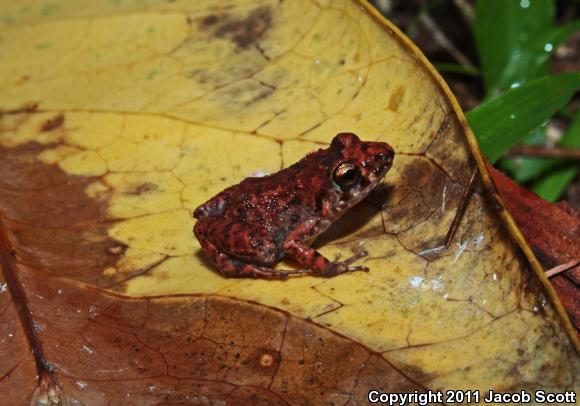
(346, 175)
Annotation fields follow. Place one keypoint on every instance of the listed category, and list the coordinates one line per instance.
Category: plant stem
(545, 152)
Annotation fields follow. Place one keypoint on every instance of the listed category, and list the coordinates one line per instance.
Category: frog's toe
(355, 257)
(262, 272)
(350, 260)
(347, 262)
(358, 268)
(354, 268)
(337, 268)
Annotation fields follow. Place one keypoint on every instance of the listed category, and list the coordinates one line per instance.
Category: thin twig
(460, 210)
(440, 37)
(545, 152)
(466, 10)
(562, 268)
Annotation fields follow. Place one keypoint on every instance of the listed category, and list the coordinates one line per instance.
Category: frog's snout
(382, 155)
(384, 159)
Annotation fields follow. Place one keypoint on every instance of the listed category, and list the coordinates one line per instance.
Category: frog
(246, 229)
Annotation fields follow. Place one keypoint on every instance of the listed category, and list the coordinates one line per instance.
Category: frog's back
(282, 199)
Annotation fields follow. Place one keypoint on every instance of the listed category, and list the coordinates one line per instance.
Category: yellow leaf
(167, 103)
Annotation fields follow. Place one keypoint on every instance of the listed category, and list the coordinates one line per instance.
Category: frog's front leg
(317, 263)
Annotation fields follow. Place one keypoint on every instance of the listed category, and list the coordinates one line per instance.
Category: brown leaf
(553, 232)
(18, 371)
(107, 349)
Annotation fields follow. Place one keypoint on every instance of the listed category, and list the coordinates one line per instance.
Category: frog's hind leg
(236, 249)
(233, 267)
(243, 241)
(241, 249)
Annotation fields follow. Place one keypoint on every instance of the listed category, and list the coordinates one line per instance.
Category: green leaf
(501, 122)
(554, 184)
(450, 67)
(505, 27)
(524, 169)
(532, 60)
(561, 172)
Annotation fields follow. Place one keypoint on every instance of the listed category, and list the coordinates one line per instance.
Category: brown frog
(247, 228)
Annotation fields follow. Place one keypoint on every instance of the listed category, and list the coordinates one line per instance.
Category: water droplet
(416, 281)
(38, 327)
(543, 302)
(88, 349)
(81, 384)
(525, 3)
(93, 310)
(512, 116)
(461, 247)
(494, 277)
(548, 47)
(437, 284)
(515, 84)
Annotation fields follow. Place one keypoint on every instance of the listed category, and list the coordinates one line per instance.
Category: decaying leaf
(120, 118)
(191, 348)
(553, 232)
